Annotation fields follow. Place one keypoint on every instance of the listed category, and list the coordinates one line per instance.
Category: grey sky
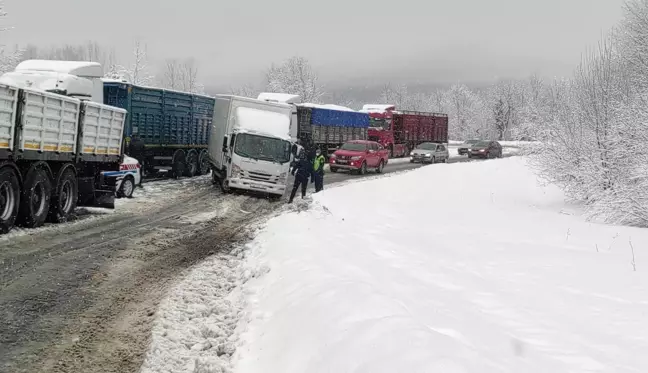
(429, 40)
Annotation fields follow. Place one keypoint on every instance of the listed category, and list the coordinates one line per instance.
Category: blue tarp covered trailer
(169, 129)
(329, 128)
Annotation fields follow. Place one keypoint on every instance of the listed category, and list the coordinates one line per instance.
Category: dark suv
(486, 149)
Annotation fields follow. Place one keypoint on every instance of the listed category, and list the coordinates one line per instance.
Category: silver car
(430, 152)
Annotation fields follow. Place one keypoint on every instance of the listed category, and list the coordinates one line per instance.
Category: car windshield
(262, 147)
(354, 146)
(482, 144)
(427, 146)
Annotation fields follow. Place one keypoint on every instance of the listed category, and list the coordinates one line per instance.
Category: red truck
(358, 155)
(401, 131)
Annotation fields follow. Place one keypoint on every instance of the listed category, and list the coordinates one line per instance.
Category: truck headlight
(236, 170)
(283, 175)
(428, 155)
(411, 154)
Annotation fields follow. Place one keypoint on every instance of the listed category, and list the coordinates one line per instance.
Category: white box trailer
(250, 144)
(53, 150)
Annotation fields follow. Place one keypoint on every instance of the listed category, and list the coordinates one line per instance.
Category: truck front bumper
(258, 186)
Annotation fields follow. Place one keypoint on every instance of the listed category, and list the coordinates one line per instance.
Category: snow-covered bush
(596, 126)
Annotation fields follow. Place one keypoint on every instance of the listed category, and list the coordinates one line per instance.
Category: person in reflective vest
(318, 170)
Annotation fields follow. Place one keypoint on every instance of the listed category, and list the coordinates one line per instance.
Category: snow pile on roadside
(468, 267)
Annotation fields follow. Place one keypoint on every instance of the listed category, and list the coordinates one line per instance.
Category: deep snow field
(467, 267)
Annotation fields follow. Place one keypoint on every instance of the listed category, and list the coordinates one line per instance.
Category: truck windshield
(262, 148)
(378, 123)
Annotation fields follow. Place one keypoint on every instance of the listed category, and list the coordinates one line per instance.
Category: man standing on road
(318, 170)
(302, 169)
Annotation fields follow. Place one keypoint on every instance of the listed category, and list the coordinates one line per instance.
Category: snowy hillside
(467, 267)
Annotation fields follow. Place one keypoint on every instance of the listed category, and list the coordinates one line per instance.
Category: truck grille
(260, 176)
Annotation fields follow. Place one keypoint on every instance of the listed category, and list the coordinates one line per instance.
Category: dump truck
(56, 145)
(166, 131)
(171, 128)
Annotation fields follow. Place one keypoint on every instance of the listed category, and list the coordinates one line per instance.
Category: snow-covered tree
(8, 59)
(138, 72)
(245, 90)
(295, 76)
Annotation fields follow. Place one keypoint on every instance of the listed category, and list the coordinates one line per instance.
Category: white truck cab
(78, 79)
(250, 144)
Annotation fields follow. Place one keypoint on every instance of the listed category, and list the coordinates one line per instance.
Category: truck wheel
(178, 164)
(9, 199)
(381, 165)
(35, 201)
(203, 162)
(191, 167)
(64, 200)
(363, 168)
(127, 187)
(215, 179)
(334, 169)
(224, 186)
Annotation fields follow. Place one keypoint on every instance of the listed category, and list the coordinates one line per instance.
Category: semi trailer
(55, 148)
(166, 130)
(403, 130)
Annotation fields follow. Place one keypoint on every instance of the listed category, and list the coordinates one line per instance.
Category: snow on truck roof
(326, 106)
(372, 108)
(78, 68)
(284, 98)
(263, 122)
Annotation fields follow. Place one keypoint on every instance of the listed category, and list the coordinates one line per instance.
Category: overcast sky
(428, 40)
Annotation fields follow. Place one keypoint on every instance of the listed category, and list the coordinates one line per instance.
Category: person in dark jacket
(302, 169)
(318, 170)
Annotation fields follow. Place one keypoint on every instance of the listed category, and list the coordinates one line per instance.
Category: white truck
(250, 144)
(55, 145)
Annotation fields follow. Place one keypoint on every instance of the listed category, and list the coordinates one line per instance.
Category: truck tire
(191, 167)
(381, 165)
(35, 201)
(64, 198)
(178, 164)
(9, 199)
(203, 162)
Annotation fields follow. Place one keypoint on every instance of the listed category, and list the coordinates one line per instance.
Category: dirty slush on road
(83, 297)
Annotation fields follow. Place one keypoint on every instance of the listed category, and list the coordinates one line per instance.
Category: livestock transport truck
(54, 149)
(166, 131)
(402, 131)
(323, 126)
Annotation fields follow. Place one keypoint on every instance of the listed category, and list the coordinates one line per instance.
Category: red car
(358, 155)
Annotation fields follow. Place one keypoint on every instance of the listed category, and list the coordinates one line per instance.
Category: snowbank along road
(81, 297)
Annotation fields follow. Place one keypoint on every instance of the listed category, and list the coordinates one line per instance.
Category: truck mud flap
(101, 195)
(104, 199)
